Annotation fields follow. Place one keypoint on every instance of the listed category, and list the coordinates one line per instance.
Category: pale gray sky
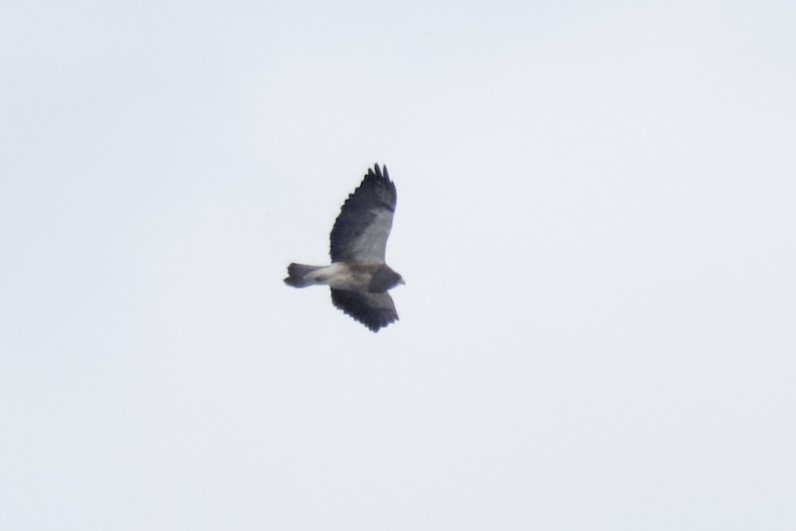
(595, 223)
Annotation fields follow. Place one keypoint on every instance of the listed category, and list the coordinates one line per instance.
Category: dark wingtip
(375, 326)
(380, 172)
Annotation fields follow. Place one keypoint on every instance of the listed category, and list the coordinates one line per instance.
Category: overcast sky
(595, 223)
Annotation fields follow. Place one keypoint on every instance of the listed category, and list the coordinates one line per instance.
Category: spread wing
(374, 310)
(361, 230)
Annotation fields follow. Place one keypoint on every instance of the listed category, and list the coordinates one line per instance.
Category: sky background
(595, 222)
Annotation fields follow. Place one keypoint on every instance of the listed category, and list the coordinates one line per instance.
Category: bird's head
(384, 278)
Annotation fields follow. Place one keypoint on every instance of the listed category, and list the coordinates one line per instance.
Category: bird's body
(358, 276)
(373, 278)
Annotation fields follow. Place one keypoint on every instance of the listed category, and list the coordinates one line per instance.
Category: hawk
(358, 277)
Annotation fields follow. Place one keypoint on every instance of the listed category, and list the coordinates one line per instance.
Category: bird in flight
(358, 276)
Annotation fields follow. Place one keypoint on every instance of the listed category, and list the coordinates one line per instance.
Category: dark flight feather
(374, 310)
(361, 230)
